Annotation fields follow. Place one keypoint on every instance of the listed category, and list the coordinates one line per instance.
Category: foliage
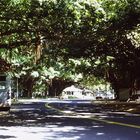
(71, 39)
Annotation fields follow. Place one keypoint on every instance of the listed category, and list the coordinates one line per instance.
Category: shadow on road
(6, 136)
(40, 123)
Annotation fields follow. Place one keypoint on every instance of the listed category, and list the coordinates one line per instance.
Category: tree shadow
(57, 125)
(6, 137)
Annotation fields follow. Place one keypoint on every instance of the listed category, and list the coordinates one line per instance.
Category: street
(67, 120)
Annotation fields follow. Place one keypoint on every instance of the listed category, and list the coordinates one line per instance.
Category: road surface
(67, 120)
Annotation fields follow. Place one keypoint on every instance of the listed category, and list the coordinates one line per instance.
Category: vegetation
(52, 44)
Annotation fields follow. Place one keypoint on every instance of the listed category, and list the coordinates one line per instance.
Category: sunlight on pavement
(97, 126)
(50, 132)
(68, 111)
(24, 109)
(98, 134)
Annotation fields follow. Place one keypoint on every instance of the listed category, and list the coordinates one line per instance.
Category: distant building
(105, 95)
(74, 92)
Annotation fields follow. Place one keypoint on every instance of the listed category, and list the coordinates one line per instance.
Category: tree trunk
(38, 48)
(38, 51)
(57, 85)
(28, 87)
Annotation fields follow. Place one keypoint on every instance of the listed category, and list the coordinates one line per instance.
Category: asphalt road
(67, 120)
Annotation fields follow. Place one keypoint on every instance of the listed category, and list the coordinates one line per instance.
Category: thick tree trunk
(120, 83)
(28, 87)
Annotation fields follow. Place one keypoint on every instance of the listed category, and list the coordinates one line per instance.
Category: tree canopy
(72, 37)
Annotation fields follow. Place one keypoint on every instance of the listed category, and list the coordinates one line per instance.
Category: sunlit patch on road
(50, 132)
(98, 134)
